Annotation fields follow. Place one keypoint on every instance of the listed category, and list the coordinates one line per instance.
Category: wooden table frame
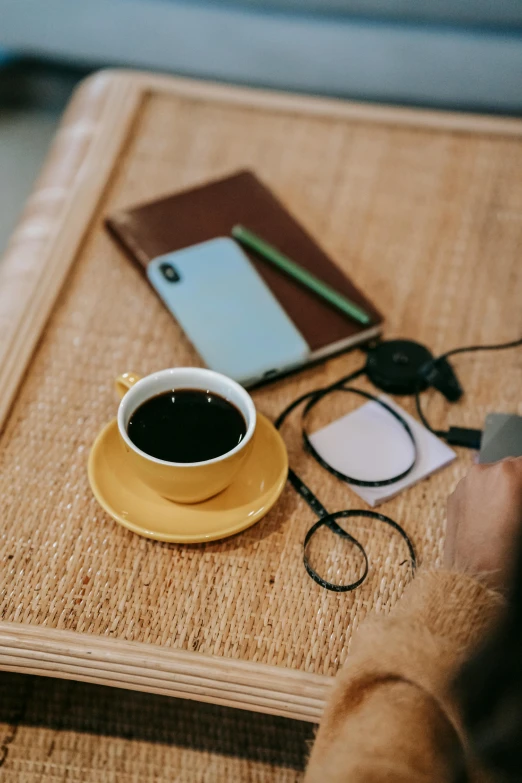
(31, 276)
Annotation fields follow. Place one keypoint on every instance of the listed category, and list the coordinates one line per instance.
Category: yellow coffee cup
(184, 482)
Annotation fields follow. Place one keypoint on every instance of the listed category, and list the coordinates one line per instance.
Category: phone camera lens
(169, 273)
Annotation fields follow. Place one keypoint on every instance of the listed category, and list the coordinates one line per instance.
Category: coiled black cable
(330, 519)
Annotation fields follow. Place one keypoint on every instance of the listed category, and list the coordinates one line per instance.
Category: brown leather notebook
(210, 211)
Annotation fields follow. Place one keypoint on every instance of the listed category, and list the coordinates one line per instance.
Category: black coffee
(186, 425)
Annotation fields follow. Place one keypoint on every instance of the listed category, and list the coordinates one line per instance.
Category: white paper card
(369, 444)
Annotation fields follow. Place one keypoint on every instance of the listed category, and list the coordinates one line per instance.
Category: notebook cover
(210, 211)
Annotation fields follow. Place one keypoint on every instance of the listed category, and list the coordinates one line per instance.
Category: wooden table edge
(162, 670)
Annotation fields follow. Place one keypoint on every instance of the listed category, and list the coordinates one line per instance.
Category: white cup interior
(186, 378)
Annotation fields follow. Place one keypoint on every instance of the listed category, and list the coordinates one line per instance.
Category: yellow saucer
(130, 502)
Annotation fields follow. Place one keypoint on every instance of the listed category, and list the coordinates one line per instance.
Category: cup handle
(125, 382)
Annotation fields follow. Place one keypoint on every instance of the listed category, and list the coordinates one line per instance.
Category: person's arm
(390, 716)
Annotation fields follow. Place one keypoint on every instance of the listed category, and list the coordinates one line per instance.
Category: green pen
(270, 253)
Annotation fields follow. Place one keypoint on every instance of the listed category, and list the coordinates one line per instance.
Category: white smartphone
(227, 311)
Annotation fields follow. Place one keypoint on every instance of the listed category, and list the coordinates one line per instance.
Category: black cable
(337, 473)
(315, 392)
(455, 435)
(474, 348)
(420, 413)
(329, 519)
(462, 436)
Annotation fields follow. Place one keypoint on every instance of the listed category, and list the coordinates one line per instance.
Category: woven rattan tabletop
(423, 210)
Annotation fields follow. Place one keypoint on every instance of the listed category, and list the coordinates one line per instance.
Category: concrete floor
(32, 98)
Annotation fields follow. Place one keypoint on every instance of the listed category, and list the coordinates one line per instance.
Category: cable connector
(440, 374)
(463, 436)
